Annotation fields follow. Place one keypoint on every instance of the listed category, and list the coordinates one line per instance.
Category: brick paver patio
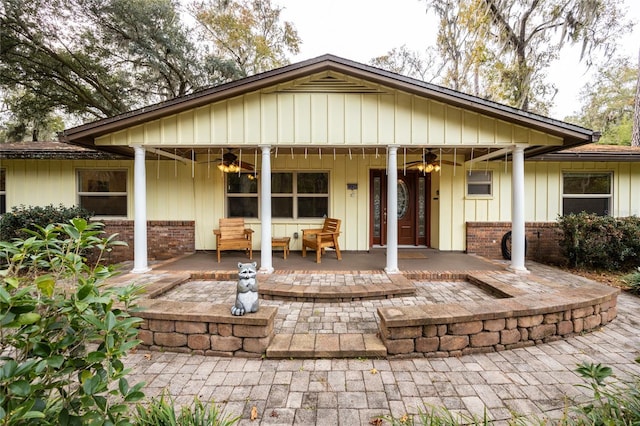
(535, 382)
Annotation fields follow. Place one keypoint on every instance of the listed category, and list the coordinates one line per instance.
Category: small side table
(281, 242)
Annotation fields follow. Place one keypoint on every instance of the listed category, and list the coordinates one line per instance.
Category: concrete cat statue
(247, 290)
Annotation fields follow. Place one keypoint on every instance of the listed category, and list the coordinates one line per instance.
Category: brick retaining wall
(485, 239)
(204, 328)
(519, 319)
(165, 239)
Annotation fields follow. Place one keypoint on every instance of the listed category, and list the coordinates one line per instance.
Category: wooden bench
(319, 239)
(232, 235)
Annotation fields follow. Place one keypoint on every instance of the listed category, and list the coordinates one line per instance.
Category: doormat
(411, 255)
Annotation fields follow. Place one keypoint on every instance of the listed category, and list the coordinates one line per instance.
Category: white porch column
(392, 212)
(140, 261)
(266, 264)
(517, 212)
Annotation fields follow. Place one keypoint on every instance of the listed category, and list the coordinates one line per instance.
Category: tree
(635, 134)
(410, 63)
(98, 58)
(461, 44)
(248, 32)
(608, 102)
(515, 41)
(27, 118)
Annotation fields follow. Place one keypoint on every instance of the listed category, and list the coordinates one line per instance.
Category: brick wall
(165, 238)
(485, 239)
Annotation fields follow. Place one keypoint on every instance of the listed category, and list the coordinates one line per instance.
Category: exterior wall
(44, 182)
(291, 114)
(165, 239)
(178, 192)
(543, 204)
(485, 239)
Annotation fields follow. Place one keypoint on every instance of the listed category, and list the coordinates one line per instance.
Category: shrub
(14, 223)
(162, 412)
(632, 281)
(600, 242)
(63, 334)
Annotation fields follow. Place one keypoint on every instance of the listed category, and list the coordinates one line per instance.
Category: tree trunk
(635, 133)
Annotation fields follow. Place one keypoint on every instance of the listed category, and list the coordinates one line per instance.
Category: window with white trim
(479, 183)
(3, 191)
(589, 192)
(293, 195)
(103, 192)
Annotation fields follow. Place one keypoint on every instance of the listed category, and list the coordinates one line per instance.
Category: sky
(360, 30)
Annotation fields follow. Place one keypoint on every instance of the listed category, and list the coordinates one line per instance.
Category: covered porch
(410, 260)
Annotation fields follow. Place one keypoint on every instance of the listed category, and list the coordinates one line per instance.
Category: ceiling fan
(229, 163)
(429, 163)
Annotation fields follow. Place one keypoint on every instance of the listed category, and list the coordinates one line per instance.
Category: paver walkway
(535, 382)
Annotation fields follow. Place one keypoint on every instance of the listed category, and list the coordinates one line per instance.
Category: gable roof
(571, 134)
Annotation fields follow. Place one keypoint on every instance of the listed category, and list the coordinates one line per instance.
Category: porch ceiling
(473, 154)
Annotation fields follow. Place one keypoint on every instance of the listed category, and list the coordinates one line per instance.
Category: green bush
(600, 242)
(14, 223)
(63, 334)
(162, 412)
(632, 281)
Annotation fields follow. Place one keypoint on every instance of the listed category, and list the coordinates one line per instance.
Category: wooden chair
(319, 239)
(232, 235)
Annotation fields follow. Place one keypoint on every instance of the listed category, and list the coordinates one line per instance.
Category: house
(285, 148)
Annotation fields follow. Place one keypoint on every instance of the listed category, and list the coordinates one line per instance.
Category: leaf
(109, 321)
(55, 361)
(374, 371)
(254, 413)
(123, 386)
(134, 396)
(96, 356)
(92, 385)
(20, 388)
(46, 284)
(28, 318)
(5, 297)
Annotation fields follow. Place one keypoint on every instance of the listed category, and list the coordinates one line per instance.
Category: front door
(413, 209)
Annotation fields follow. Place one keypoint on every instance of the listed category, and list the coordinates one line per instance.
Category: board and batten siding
(44, 182)
(176, 191)
(543, 197)
(390, 117)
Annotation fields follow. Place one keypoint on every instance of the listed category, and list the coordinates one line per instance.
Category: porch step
(349, 345)
(396, 286)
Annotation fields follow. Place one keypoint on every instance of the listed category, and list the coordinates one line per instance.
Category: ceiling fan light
(429, 168)
(436, 167)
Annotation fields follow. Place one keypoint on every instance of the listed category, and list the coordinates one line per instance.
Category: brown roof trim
(594, 152)
(572, 134)
(48, 150)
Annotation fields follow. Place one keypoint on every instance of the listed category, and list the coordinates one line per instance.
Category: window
(479, 183)
(242, 195)
(586, 192)
(3, 191)
(293, 195)
(103, 192)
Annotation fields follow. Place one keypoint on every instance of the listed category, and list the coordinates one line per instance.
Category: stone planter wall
(204, 328)
(517, 320)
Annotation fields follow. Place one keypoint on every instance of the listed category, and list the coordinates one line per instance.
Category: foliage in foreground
(14, 224)
(162, 412)
(632, 280)
(600, 242)
(613, 404)
(62, 334)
